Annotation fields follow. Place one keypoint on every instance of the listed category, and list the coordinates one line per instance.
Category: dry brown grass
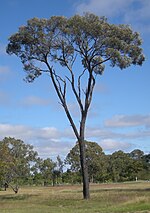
(105, 198)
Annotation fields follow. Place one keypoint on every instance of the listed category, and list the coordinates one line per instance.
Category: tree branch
(72, 82)
(107, 59)
(62, 98)
(79, 83)
(58, 79)
(89, 91)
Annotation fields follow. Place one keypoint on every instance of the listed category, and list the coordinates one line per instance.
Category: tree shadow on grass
(16, 197)
(120, 190)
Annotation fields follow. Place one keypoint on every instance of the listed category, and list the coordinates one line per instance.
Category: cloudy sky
(119, 117)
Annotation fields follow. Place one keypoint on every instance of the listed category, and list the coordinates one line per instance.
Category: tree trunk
(84, 169)
(14, 188)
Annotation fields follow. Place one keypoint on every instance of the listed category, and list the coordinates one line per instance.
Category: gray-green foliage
(60, 39)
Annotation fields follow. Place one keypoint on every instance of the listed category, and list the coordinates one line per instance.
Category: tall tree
(90, 41)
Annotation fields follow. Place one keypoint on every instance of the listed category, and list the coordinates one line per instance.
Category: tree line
(20, 165)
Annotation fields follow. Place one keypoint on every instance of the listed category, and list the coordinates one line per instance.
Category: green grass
(105, 198)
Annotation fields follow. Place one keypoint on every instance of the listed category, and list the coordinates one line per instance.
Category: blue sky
(119, 117)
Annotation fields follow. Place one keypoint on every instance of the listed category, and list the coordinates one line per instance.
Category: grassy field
(105, 198)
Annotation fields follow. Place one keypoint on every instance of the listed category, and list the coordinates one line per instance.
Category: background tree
(88, 40)
(58, 170)
(43, 170)
(143, 161)
(137, 154)
(145, 174)
(15, 161)
(95, 159)
(6, 163)
(122, 167)
(72, 177)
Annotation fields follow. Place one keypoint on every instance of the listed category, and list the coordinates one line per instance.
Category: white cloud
(4, 99)
(128, 121)
(100, 134)
(17, 131)
(48, 141)
(47, 133)
(30, 133)
(54, 148)
(113, 145)
(134, 12)
(107, 8)
(139, 15)
(97, 132)
(34, 100)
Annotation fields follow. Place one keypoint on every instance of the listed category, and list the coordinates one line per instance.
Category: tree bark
(84, 167)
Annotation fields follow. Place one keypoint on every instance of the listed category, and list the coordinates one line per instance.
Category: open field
(105, 198)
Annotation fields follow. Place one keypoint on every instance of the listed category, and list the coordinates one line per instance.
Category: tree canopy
(60, 39)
